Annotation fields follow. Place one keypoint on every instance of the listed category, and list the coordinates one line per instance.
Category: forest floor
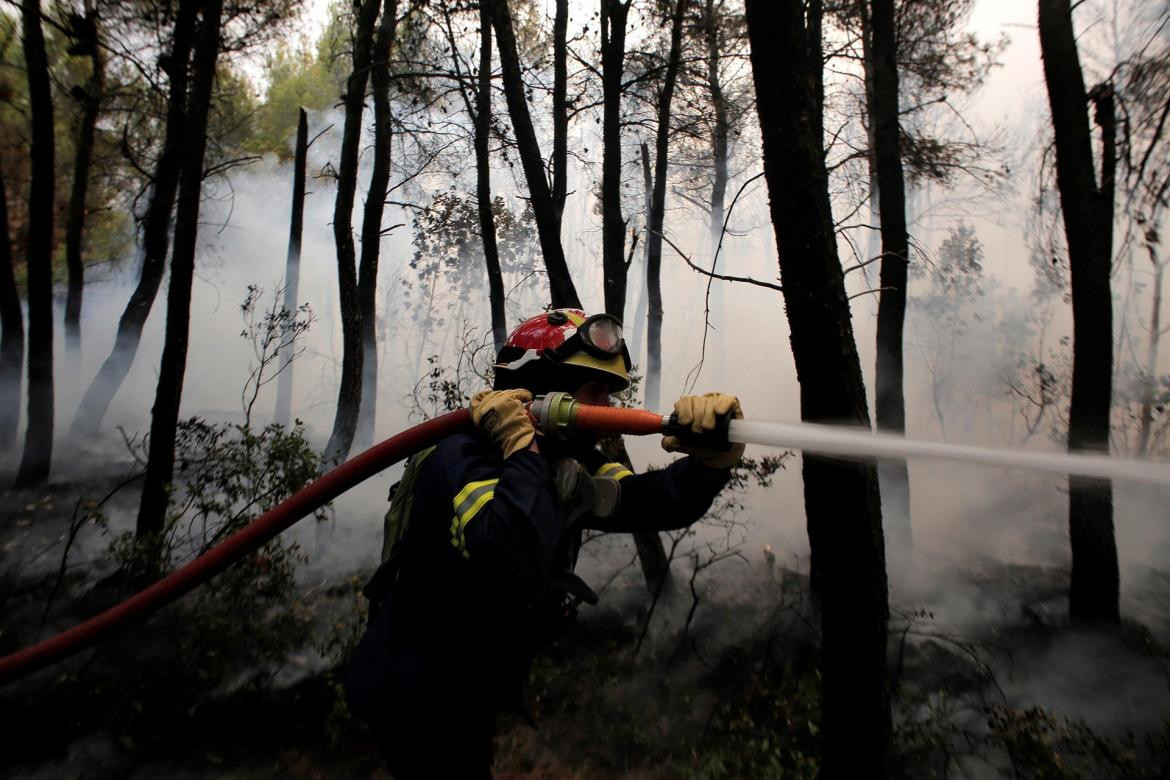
(989, 679)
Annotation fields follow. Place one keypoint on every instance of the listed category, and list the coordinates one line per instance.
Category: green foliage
(227, 474)
(240, 627)
(447, 240)
(297, 78)
(275, 334)
(448, 259)
(447, 388)
(978, 340)
(752, 714)
(629, 398)
(231, 124)
(1046, 747)
(108, 229)
(1031, 737)
(940, 735)
(955, 273)
(336, 647)
(769, 731)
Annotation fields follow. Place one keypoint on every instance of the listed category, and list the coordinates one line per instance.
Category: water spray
(554, 414)
(559, 412)
(861, 443)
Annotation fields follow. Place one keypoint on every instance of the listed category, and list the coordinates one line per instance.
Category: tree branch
(712, 274)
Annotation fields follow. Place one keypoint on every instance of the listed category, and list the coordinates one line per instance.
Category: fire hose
(553, 413)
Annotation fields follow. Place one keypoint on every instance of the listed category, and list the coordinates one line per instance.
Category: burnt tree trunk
(155, 233)
(38, 439)
(90, 97)
(292, 267)
(889, 395)
(560, 157)
(1149, 386)
(164, 418)
(719, 139)
(658, 214)
(636, 327)
(613, 226)
(544, 209)
(841, 497)
(372, 219)
(1088, 226)
(11, 333)
(483, 178)
(349, 395)
(651, 552)
(873, 242)
(722, 128)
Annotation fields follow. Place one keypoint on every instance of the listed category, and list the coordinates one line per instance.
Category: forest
(244, 241)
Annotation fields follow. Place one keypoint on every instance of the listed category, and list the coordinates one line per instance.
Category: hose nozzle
(717, 439)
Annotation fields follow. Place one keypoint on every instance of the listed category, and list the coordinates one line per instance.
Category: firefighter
(483, 535)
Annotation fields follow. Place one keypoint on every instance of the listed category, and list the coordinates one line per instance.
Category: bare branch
(713, 275)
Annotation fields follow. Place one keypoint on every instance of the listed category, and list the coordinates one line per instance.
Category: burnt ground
(990, 681)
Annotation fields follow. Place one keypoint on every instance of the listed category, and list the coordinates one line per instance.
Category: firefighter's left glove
(501, 415)
(699, 412)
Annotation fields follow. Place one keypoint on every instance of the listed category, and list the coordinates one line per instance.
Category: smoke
(991, 545)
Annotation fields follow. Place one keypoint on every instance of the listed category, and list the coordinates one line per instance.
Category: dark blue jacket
(483, 538)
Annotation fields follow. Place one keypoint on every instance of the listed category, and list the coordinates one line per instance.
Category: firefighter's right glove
(501, 415)
(698, 412)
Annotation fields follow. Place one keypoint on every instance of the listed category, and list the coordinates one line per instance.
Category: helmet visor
(604, 334)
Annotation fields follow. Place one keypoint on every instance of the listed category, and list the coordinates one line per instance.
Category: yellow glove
(699, 412)
(501, 415)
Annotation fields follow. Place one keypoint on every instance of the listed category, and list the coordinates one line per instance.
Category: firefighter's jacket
(463, 620)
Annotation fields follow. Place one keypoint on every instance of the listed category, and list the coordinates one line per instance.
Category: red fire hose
(557, 411)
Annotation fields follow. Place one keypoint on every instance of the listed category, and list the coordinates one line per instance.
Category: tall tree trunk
(38, 439)
(873, 244)
(613, 226)
(155, 233)
(560, 158)
(564, 294)
(84, 29)
(1146, 417)
(292, 267)
(889, 397)
(842, 504)
(721, 129)
(90, 96)
(658, 213)
(164, 418)
(719, 138)
(651, 552)
(372, 219)
(349, 395)
(1088, 227)
(636, 327)
(483, 177)
(11, 335)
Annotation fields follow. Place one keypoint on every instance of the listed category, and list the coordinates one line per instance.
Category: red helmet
(561, 350)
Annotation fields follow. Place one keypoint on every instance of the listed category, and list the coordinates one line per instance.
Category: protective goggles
(600, 336)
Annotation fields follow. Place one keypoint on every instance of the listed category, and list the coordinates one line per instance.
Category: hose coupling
(554, 413)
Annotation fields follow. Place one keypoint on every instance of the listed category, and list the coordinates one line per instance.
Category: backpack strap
(401, 500)
(394, 530)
